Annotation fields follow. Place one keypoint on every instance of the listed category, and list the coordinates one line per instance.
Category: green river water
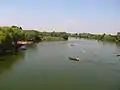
(45, 66)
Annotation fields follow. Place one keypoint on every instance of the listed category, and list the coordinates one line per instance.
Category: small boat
(118, 55)
(23, 47)
(75, 59)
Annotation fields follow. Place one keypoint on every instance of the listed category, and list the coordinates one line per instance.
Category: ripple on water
(116, 70)
(49, 63)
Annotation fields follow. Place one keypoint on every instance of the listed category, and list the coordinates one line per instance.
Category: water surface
(45, 66)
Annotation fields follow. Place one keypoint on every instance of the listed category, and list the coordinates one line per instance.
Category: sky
(90, 16)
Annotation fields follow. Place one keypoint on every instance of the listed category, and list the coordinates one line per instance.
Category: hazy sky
(95, 16)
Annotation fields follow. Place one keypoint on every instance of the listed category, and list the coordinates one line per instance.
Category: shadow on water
(118, 47)
(116, 70)
(106, 42)
(7, 61)
(33, 46)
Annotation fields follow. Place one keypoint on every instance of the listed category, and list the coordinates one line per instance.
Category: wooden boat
(75, 59)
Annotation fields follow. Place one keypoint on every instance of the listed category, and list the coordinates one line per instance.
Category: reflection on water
(7, 61)
(46, 66)
(33, 46)
(118, 48)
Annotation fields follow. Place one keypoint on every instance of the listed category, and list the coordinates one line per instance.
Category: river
(45, 66)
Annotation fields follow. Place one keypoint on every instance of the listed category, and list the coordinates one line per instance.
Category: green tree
(32, 35)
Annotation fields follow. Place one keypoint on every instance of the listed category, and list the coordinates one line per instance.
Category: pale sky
(94, 16)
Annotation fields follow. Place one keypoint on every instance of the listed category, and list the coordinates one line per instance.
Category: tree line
(106, 37)
(10, 35)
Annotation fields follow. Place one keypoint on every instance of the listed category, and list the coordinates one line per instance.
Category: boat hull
(73, 59)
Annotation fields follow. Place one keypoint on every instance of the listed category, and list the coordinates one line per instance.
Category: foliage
(2, 37)
(32, 35)
(10, 35)
(65, 36)
(61, 35)
(49, 38)
(106, 37)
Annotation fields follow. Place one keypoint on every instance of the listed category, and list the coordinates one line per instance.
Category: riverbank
(11, 49)
(102, 37)
(25, 42)
(49, 38)
(13, 37)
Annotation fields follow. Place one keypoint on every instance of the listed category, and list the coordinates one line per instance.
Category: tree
(9, 36)
(32, 35)
(65, 36)
(16, 27)
(21, 28)
(3, 37)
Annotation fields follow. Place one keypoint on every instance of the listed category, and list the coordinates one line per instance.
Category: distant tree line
(10, 35)
(107, 37)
